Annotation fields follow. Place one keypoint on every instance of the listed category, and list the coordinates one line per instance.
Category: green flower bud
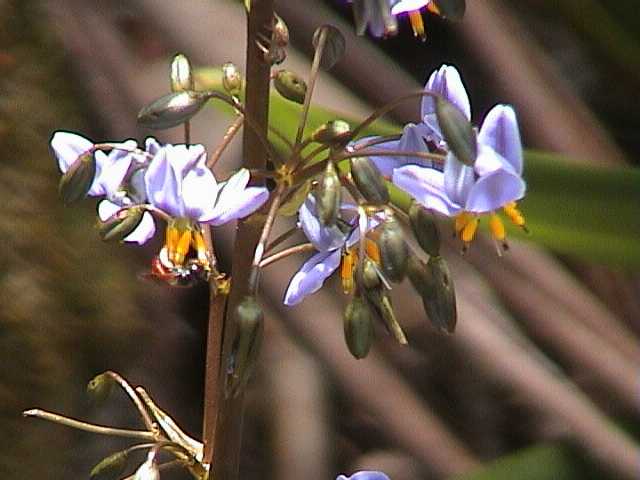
(336, 132)
(369, 180)
(100, 387)
(394, 251)
(380, 300)
(231, 79)
(424, 229)
(121, 224)
(451, 9)
(334, 45)
(370, 276)
(328, 195)
(358, 327)
(172, 109)
(290, 86)
(457, 131)
(111, 467)
(181, 75)
(77, 180)
(249, 319)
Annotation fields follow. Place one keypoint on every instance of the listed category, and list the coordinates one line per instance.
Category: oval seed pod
(249, 319)
(100, 387)
(394, 251)
(442, 309)
(280, 32)
(457, 131)
(420, 277)
(333, 132)
(77, 180)
(358, 327)
(328, 196)
(120, 225)
(181, 75)
(451, 9)
(380, 300)
(424, 229)
(370, 276)
(172, 109)
(369, 180)
(290, 86)
(231, 79)
(111, 467)
(334, 45)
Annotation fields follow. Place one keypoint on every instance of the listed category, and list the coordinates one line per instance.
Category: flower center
(184, 239)
(466, 225)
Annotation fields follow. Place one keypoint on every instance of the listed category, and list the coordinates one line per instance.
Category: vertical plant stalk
(227, 435)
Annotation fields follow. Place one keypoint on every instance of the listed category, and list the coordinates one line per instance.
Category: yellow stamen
(461, 221)
(469, 230)
(497, 227)
(200, 248)
(415, 17)
(515, 215)
(347, 267)
(171, 241)
(373, 251)
(182, 248)
(433, 8)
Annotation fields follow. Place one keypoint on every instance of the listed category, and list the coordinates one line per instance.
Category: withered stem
(135, 398)
(226, 140)
(303, 247)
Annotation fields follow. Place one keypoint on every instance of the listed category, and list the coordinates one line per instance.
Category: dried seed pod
(334, 46)
(172, 109)
(280, 32)
(358, 327)
(380, 300)
(290, 86)
(181, 75)
(111, 467)
(328, 196)
(120, 225)
(231, 79)
(369, 180)
(394, 251)
(451, 9)
(334, 132)
(100, 387)
(424, 229)
(457, 131)
(77, 180)
(249, 319)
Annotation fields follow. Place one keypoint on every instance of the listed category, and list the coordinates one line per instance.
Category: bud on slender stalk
(111, 467)
(424, 229)
(457, 131)
(358, 327)
(120, 225)
(369, 181)
(249, 319)
(290, 86)
(328, 196)
(172, 109)
(100, 387)
(334, 45)
(231, 79)
(336, 132)
(394, 251)
(181, 74)
(77, 180)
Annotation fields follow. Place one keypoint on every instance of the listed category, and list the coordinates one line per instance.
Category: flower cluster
(172, 182)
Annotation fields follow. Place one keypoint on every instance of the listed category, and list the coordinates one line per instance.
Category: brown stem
(226, 140)
(228, 426)
(303, 247)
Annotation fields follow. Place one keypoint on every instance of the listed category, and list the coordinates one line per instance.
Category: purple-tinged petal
(494, 191)
(445, 81)
(408, 6)
(500, 132)
(67, 147)
(311, 276)
(386, 164)
(151, 145)
(236, 200)
(199, 192)
(458, 179)
(164, 188)
(141, 234)
(489, 161)
(411, 141)
(323, 238)
(426, 185)
(111, 169)
(365, 475)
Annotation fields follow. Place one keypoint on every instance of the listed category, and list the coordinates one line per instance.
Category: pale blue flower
(365, 475)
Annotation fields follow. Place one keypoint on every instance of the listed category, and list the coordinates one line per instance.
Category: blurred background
(542, 377)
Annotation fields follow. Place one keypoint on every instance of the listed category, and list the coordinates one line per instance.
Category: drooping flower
(376, 16)
(179, 183)
(412, 8)
(365, 475)
(335, 249)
